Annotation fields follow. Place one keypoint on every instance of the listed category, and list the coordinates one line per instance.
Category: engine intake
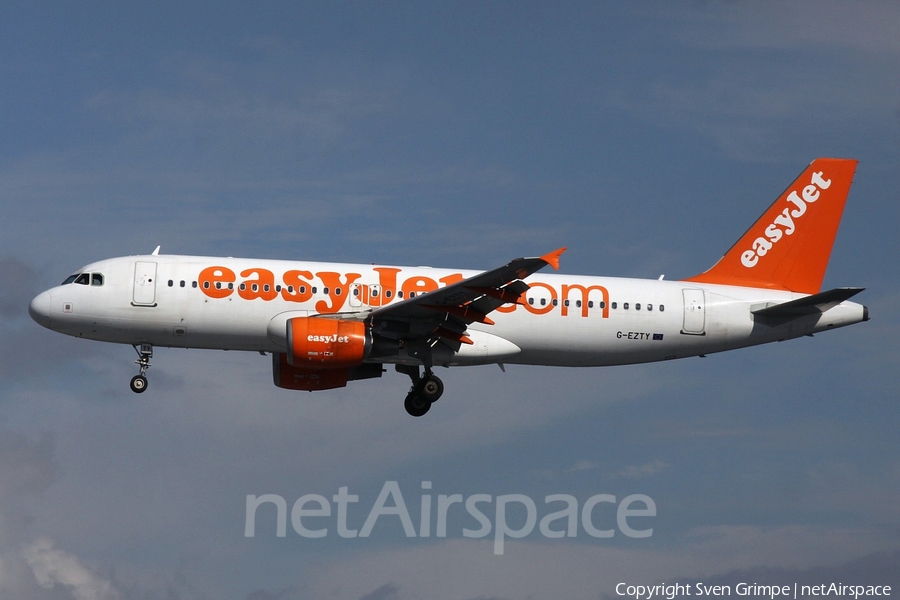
(317, 343)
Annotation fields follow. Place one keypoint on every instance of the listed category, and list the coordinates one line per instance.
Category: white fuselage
(567, 320)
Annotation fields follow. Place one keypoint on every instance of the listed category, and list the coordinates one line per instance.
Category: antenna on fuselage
(156, 252)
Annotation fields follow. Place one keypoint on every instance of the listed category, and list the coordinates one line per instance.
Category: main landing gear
(145, 353)
(424, 390)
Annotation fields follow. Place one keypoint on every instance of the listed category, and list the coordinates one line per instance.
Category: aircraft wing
(445, 313)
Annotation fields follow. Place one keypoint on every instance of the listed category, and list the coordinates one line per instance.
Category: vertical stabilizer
(789, 246)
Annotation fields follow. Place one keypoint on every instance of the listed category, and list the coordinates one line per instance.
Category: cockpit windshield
(84, 279)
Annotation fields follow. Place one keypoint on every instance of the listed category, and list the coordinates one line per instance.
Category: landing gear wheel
(431, 388)
(138, 384)
(145, 353)
(416, 405)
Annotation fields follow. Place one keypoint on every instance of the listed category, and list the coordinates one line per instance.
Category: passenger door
(694, 312)
(144, 284)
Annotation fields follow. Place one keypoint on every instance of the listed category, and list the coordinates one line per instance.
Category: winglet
(552, 258)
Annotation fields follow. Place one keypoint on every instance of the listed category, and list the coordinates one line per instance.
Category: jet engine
(324, 354)
(317, 343)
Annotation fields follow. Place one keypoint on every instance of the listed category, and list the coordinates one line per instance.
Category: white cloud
(554, 569)
(582, 465)
(767, 69)
(53, 567)
(644, 470)
(869, 27)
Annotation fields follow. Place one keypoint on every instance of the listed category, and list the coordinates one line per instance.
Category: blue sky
(645, 137)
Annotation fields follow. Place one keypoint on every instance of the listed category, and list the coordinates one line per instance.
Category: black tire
(431, 388)
(416, 405)
(138, 384)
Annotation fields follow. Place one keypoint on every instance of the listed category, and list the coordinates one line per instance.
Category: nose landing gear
(424, 390)
(145, 353)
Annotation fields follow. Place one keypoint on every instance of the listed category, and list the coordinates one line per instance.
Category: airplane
(325, 324)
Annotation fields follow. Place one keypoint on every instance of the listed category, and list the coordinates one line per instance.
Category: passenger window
(554, 302)
(230, 286)
(171, 283)
(266, 287)
(324, 290)
(577, 303)
(83, 279)
(649, 306)
(278, 288)
(96, 279)
(337, 291)
(181, 283)
(387, 294)
(193, 284)
(356, 292)
(531, 301)
(543, 302)
(613, 305)
(637, 306)
(602, 304)
(591, 304)
(314, 289)
(69, 279)
(662, 307)
(625, 306)
(400, 294)
(375, 293)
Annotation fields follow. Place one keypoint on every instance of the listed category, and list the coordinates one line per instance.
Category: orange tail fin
(789, 246)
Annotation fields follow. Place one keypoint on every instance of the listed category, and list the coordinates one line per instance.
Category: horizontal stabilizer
(816, 303)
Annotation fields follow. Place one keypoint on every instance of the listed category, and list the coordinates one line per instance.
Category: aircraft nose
(40, 307)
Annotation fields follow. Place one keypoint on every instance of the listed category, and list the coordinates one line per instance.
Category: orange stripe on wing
(452, 335)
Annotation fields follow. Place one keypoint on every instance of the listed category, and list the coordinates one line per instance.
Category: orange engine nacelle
(294, 378)
(317, 343)
(312, 380)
